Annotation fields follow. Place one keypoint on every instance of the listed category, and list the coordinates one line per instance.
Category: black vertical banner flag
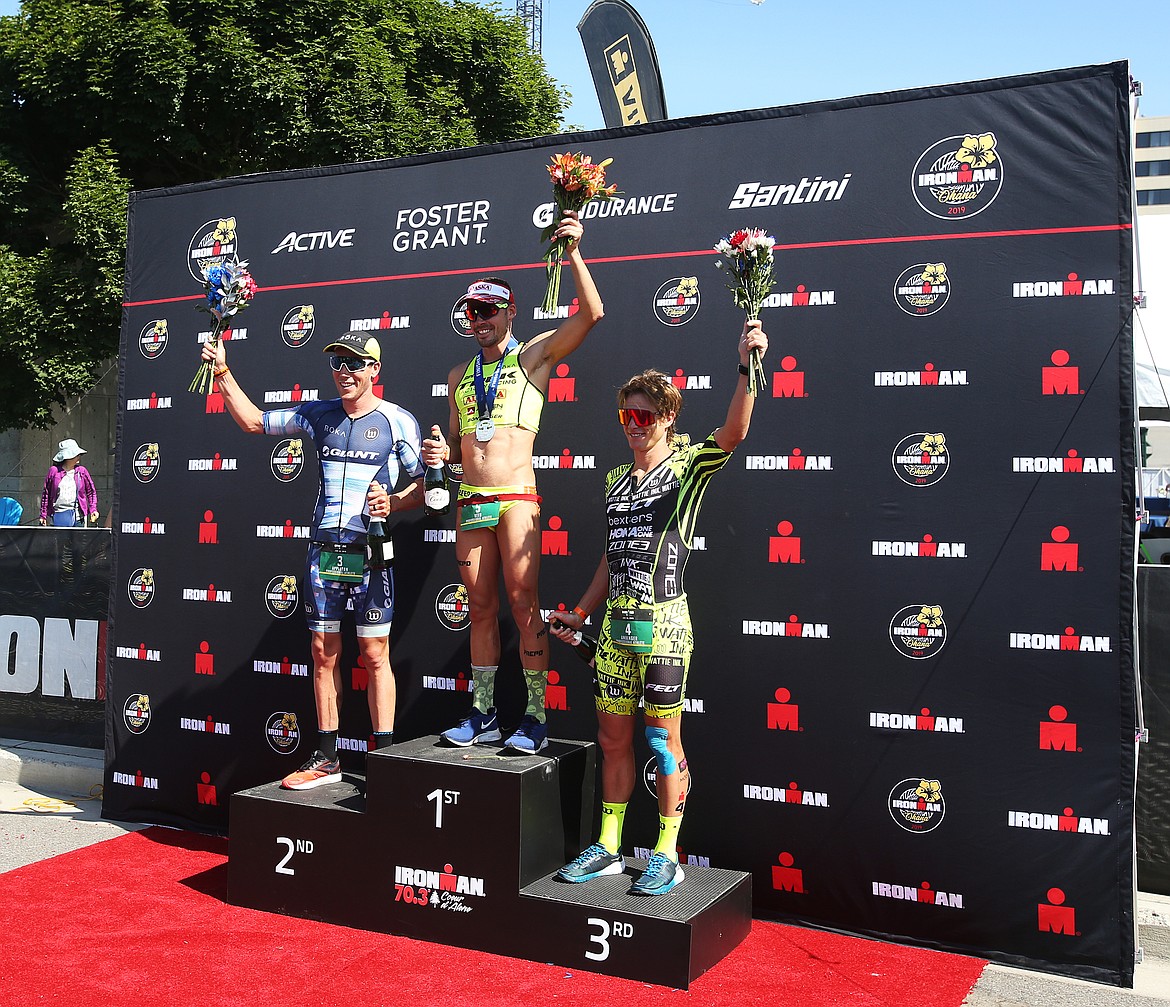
(910, 710)
(623, 63)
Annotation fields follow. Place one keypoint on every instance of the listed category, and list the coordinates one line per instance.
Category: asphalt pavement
(50, 803)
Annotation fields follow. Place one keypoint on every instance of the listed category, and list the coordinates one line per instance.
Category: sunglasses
(351, 364)
(481, 309)
(641, 417)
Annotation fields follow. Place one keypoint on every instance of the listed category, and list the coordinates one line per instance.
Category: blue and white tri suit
(352, 453)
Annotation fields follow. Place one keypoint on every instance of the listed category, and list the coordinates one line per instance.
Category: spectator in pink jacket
(69, 493)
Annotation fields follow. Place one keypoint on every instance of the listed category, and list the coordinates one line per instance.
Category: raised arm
(739, 412)
(550, 347)
(242, 409)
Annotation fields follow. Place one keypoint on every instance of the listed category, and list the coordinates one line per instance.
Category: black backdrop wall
(912, 700)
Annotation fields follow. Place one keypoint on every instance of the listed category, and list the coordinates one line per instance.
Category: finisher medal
(485, 430)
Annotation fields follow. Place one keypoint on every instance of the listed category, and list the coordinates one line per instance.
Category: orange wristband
(578, 610)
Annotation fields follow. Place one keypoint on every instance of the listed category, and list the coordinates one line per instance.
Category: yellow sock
(613, 816)
(668, 836)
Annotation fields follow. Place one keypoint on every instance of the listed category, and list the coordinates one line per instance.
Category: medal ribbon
(485, 398)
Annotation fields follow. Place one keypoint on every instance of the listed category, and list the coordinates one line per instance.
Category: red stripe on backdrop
(142, 919)
(478, 270)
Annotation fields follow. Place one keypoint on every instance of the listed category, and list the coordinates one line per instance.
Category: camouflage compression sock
(484, 686)
(536, 682)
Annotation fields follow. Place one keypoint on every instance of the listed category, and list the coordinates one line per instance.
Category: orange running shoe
(318, 771)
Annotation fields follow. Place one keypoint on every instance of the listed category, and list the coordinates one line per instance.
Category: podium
(460, 846)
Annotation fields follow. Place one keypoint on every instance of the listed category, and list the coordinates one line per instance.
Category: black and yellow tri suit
(650, 526)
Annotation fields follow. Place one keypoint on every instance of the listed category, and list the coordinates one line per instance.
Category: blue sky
(725, 55)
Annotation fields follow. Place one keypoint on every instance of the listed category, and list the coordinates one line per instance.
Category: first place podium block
(460, 846)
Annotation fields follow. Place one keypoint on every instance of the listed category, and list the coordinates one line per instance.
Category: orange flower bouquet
(576, 180)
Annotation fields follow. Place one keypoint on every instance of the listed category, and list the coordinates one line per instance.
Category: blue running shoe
(595, 862)
(474, 729)
(530, 737)
(661, 876)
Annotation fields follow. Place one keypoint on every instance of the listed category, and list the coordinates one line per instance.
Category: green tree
(98, 97)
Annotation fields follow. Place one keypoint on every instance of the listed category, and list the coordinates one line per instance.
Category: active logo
(959, 176)
(784, 547)
(153, 338)
(297, 327)
(676, 302)
(212, 243)
(210, 593)
(921, 459)
(137, 779)
(311, 241)
(922, 289)
(136, 713)
(917, 805)
(283, 732)
(140, 587)
(918, 631)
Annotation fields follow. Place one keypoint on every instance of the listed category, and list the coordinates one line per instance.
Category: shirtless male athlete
(495, 404)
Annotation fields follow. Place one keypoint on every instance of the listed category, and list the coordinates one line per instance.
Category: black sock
(383, 739)
(327, 744)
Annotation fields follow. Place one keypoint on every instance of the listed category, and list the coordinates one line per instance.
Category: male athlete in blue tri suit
(363, 445)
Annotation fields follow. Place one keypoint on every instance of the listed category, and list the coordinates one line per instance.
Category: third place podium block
(460, 846)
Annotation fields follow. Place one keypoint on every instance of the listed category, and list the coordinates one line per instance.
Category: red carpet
(141, 919)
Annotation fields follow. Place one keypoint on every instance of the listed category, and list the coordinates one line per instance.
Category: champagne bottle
(585, 646)
(380, 545)
(436, 491)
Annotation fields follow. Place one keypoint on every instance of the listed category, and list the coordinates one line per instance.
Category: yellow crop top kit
(518, 403)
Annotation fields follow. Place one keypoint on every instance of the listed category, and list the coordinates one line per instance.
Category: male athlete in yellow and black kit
(495, 403)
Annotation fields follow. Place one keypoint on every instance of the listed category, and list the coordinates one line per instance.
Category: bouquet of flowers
(576, 180)
(746, 257)
(229, 288)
